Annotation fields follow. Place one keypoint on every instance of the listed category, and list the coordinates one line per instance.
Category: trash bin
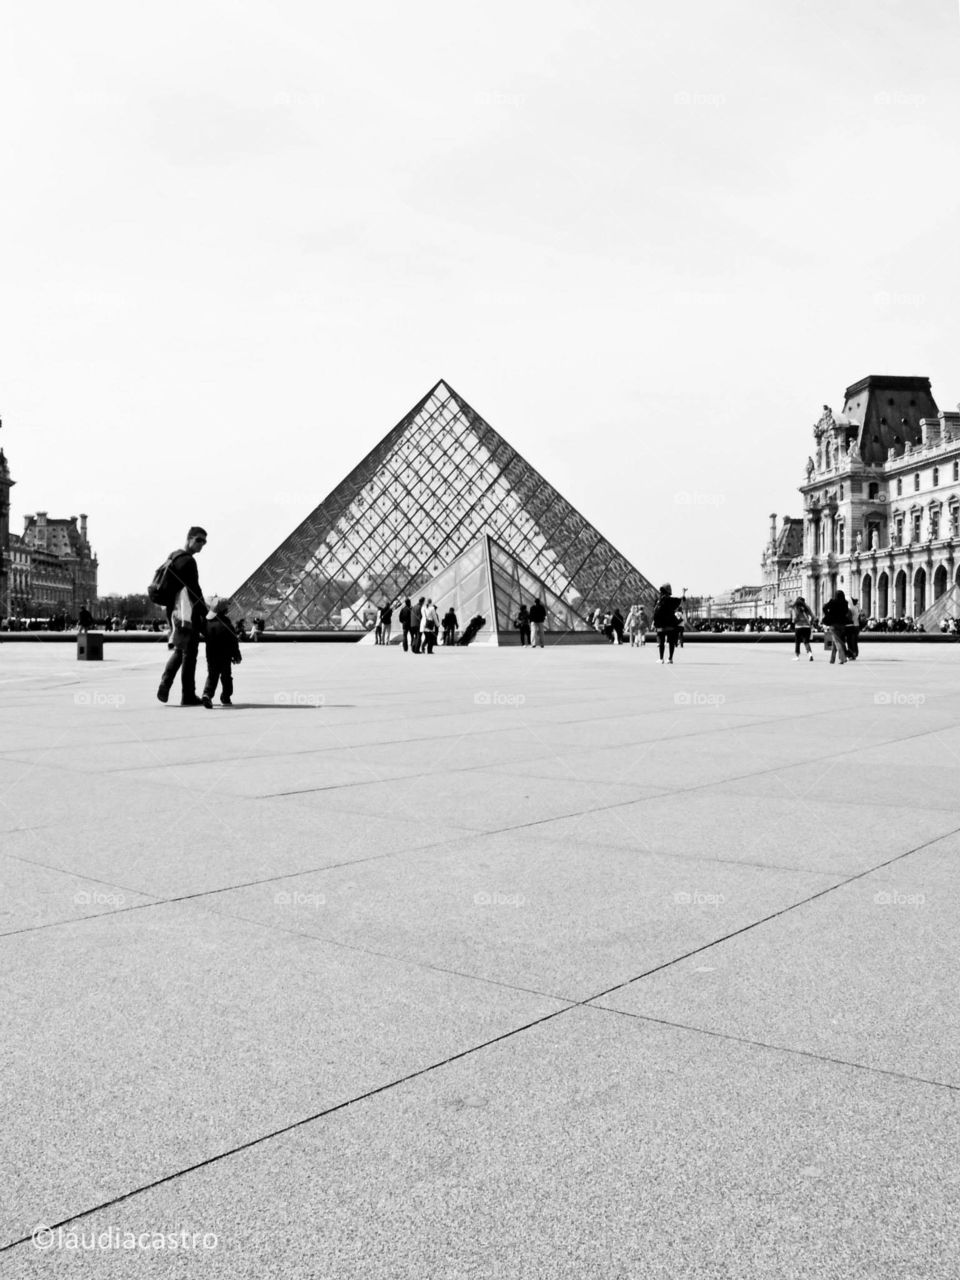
(89, 646)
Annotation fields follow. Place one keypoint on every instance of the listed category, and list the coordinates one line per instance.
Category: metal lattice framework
(437, 481)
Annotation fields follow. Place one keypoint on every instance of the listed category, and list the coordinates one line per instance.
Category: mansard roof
(886, 411)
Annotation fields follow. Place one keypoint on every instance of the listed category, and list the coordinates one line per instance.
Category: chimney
(773, 529)
(931, 430)
(83, 525)
(41, 529)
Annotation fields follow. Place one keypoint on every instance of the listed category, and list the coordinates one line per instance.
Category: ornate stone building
(6, 484)
(61, 569)
(881, 500)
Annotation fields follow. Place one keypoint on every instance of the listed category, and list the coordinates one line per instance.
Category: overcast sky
(645, 241)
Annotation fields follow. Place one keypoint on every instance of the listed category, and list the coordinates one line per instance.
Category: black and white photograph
(605, 354)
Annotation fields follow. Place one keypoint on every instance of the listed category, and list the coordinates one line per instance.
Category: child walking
(223, 649)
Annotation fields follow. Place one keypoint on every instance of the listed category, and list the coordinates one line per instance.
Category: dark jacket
(665, 613)
(183, 571)
(222, 642)
(835, 613)
(404, 616)
(537, 612)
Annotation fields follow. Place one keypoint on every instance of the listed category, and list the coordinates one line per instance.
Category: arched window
(841, 538)
(899, 486)
(936, 476)
(956, 471)
(916, 482)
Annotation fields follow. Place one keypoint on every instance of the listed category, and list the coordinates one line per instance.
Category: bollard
(89, 646)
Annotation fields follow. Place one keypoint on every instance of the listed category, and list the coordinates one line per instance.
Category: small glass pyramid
(487, 581)
(422, 497)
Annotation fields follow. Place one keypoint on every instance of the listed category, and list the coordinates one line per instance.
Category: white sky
(646, 241)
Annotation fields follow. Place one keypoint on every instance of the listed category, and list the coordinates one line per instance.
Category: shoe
(207, 702)
(669, 662)
(797, 658)
(192, 701)
(163, 694)
(811, 657)
(659, 662)
(225, 702)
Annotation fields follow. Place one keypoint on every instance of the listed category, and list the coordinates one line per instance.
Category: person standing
(522, 623)
(186, 619)
(406, 622)
(429, 627)
(665, 622)
(416, 619)
(836, 618)
(386, 622)
(85, 620)
(450, 625)
(802, 619)
(538, 616)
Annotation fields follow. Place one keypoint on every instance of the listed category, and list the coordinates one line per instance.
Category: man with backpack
(176, 587)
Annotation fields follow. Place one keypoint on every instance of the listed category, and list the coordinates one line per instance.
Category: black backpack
(163, 586)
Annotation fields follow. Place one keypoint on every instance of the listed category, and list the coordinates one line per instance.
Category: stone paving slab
(144, 1041)
(563, 919)
(593, 1146)
(868, 974)
(32, 895)
(209, 848)
(788, 829)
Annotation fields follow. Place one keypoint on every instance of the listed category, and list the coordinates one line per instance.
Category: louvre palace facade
(881, 506)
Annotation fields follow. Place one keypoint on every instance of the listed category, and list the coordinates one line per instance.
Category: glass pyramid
(437, 481)
(486, 580)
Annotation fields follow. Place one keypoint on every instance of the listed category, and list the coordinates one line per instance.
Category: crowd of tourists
(191, 619)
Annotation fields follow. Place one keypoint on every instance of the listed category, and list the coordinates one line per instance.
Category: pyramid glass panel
(436, 483)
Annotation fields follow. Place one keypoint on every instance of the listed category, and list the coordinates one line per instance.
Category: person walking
(802, 619)
(223, 650)
(616, 623)
(416, 618)
(835, 619)
(85, 620)
(538, 616)
(522, 623)
(186, 618)
(851, 636)
(406, 622)
(665, 622)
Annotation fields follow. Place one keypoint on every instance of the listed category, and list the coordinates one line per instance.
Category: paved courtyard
(493, 964)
